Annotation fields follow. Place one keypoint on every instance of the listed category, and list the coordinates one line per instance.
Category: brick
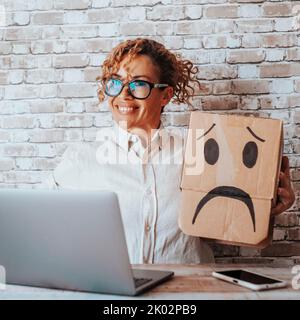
(224, 26)
(252, 41)
(284, 24)
(75, 106)
(73, 121)
(45, 163)
(293, 233)
(166, 13)
(82, 31)
(221, 11)
(46, 106)
(71, 5)
(277, 9)
(106, 15)
(108, 30)
(273, 55)
(293, 54)
(73, 75)
(276, 40)
(75, 17)
(90, 74)
(4, 136)
(192, 43)
(3, 77)
(67, 90)
(279, 234)
(279, 70)
(6, 164)
(22, 92)
(71, 61)
(297, 85)
(24, 33)
(21, 47)
(23, 62)
(233, 41)
(44, 18)
(249, 103)
(282, 86)
(50, 32)
(254, 26)
(192, 12)
(43, 76)
(21, 18)
(173, 42)
(247, 71)
(249, 10)
(286, 249)
(250, 86)
(24, 176)
(219, 103)
(214, 41)
(15, 76)
(194, 27)
(100, 3)
(137, 29)
(136, 13)
(217, 72)
(18, 150)
(74, 135)
(46, 136)
(164, 28)
(48, 46)
(5, 47)
(175, 119)
(221, 87)
(295, 174)
(103, 119)
(245, 56)
(12, 122)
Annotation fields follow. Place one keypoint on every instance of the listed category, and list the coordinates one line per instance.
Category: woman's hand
(285, 193)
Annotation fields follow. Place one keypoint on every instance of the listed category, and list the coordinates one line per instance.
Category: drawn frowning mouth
(228, 192)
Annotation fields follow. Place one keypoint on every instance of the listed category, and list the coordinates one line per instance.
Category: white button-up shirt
(147, 182)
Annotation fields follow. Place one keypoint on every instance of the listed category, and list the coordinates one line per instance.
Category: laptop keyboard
(140, 281)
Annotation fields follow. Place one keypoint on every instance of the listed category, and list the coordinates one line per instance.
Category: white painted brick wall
(50, 52)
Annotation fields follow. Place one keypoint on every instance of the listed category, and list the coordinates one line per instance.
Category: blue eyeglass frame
(150, 84)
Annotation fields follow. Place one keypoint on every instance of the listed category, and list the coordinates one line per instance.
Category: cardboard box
(230, 178)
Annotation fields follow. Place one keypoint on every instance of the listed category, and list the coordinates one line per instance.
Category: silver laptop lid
(64, 239)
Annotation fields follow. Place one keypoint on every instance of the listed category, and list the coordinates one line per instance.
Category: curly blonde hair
(175, 71)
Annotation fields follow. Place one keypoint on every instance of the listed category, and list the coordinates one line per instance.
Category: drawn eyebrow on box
(207, 131)
(254, 135)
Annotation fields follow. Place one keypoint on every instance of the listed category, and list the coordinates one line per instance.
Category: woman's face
(135, 113)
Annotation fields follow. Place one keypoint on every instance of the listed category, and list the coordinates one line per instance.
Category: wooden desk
(189, 282)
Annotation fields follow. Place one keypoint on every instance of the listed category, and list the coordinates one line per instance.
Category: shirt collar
(126, 139)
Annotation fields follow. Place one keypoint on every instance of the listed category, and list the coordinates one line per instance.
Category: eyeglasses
(139, 89)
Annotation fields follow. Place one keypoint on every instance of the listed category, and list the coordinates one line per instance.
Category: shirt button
(148, 192)
(148, 228)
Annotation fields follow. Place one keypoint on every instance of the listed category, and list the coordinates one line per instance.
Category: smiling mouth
(126, 109)
(229, 192)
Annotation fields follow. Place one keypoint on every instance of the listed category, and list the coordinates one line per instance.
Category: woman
(134, 158)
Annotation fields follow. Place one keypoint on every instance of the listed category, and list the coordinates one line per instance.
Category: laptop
(68, 239)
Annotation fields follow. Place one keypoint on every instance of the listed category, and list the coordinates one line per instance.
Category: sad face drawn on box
(250, 154)
(229, 177)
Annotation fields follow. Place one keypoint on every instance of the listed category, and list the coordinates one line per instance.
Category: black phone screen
(248, 277)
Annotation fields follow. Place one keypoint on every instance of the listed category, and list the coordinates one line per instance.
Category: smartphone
(250, 280)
